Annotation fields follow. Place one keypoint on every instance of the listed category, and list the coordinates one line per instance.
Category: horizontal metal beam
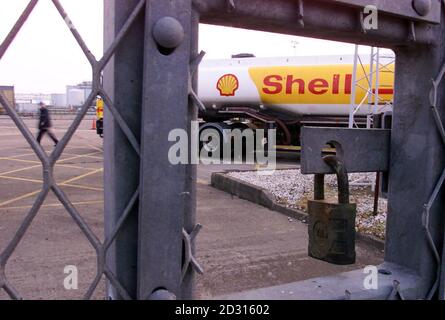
(401, 8)
(362, 150)
(342, 286)
(322, 19)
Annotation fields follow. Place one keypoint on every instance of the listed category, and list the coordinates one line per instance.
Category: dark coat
(44, 119)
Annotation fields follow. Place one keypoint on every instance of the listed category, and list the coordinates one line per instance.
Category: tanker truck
(288, 93)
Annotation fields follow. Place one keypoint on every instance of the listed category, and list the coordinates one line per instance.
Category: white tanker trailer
(284, 93)
(289, 92)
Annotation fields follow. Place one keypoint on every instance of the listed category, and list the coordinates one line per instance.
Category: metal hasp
(332, 225)
(168, 195)
(361, 150)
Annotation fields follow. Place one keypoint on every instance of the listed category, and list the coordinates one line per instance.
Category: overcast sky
(44, 57)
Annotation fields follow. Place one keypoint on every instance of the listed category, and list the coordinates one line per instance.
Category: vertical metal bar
(377, 82)
(354, 88)
(187, 286)
(166, 195)
(371, 75)
(376, 193)
(123, 83)
(372, 93)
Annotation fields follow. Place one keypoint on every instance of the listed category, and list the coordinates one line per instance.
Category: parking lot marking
(19, 170)
(23, 155)
(79, 156)
(83, 187)
(20, 198)
(66, 148)
(39, 166)
(21, 179)
(13, 148)
(96, 148)
(19, 160)
(54, 205)
(69, 166)
(90, 155)
(82, 176)
(63, 183)
(2, 127)
(10, 134)
(86, 156)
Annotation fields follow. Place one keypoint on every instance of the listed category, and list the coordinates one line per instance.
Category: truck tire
(214, 137)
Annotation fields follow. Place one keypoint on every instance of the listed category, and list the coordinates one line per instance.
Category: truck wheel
(212, 135)
(213, 144)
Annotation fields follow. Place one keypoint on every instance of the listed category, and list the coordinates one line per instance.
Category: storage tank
(75, 97)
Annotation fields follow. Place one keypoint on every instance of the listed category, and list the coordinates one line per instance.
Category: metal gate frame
(150, 206)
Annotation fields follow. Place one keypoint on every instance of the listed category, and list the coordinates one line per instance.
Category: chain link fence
(49, 161)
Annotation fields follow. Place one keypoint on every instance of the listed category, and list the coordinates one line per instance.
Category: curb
(258, 195)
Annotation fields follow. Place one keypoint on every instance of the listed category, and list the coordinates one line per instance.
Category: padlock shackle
(342, 177)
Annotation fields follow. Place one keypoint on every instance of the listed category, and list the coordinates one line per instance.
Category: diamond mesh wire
(48, 162)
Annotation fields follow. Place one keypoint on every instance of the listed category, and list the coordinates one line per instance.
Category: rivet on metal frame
(162, 294)
(168, 33)
(422, 7)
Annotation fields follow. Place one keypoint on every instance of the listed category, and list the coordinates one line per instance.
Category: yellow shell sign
(227, 85)
(317, 84)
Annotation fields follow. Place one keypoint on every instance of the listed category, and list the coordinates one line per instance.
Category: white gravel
(292, 189)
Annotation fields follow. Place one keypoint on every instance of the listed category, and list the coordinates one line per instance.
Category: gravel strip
(293, 189)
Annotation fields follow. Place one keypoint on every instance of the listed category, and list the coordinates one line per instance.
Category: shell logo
(227, 85)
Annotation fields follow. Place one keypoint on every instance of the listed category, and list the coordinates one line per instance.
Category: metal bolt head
(162, 294)
(168, 33)
(422, 7)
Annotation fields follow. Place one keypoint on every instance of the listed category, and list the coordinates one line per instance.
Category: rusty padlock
(332, 225)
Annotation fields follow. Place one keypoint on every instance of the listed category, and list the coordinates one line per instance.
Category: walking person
(45, 125)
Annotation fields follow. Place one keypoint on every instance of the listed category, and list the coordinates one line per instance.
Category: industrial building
(8, 91)
(77, 95)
